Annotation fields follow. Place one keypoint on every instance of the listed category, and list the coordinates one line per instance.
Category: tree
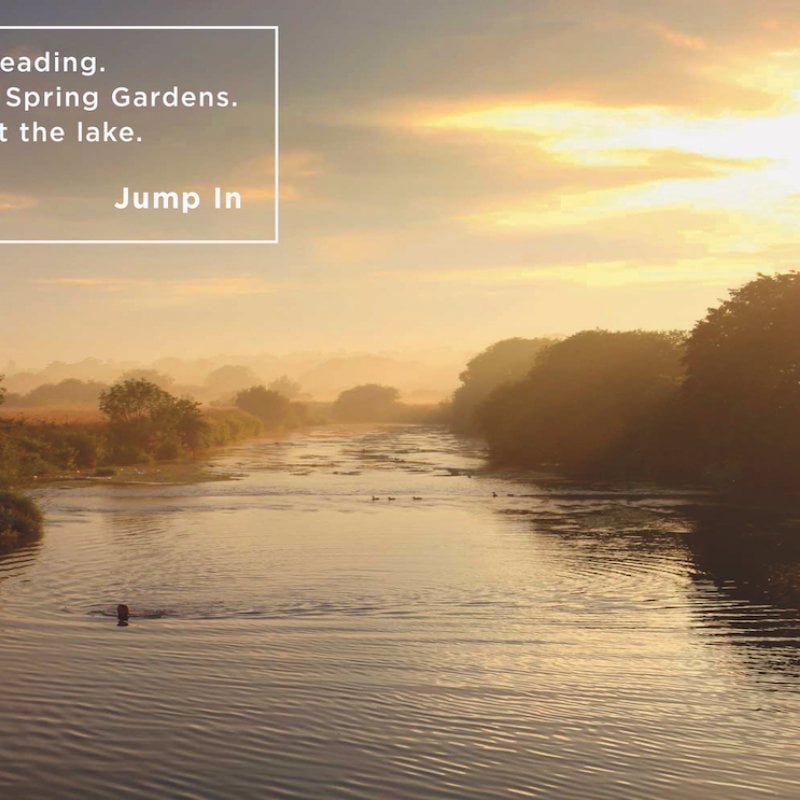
(742, 391)
(131, 400)
(146, 421)
(591, 401)
(272, 408)
(369, 402)
(2, 390)
(503, 362)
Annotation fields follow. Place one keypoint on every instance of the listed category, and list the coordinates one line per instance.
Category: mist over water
(291, 637)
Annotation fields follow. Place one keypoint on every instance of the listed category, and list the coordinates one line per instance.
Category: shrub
(20, 520)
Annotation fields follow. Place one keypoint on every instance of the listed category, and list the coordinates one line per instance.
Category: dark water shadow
(752, 558)
(742, 564)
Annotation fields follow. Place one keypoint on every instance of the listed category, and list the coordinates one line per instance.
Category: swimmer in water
(123, 614)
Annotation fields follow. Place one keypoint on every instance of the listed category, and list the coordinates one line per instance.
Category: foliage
(741, 399)
(225, 425)
(504, 362)
(146, 422)
(32, 449)
(274, 409)
(369, 402)
(269, 406)
(20, 520)
(590, 402)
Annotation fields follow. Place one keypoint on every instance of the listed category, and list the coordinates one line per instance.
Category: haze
(453, 173)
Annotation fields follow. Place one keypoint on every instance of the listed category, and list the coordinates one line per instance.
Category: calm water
(293, 638)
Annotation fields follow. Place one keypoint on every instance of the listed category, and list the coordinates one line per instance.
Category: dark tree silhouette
(369, 402)
(589, 402)
(271, 407)
(742, 390)
(506, 361)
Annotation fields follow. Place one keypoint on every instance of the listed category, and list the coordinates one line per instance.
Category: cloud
(680, 39)
(15, 202)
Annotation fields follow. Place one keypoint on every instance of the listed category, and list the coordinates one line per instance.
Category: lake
(479, 636)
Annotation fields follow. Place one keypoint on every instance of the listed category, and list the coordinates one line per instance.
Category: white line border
(274, 28)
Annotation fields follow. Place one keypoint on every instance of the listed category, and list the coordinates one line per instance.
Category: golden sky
(453, 173)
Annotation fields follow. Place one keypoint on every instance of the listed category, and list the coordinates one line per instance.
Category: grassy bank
(62, 446)
(20, 521)
(38, 447)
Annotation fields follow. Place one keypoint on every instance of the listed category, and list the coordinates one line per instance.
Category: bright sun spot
(746, 168)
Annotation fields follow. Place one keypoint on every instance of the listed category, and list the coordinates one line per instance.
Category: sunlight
(596, 135)
(748, 167)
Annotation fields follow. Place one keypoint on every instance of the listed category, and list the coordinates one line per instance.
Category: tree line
(719, 405)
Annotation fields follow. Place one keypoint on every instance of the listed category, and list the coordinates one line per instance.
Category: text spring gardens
(121, 97)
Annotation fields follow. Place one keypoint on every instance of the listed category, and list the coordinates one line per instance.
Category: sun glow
(746, 166)
(597, 135)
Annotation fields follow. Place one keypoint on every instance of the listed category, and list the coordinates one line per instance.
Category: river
(479, 636)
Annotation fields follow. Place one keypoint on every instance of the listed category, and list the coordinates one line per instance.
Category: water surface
(294, 638)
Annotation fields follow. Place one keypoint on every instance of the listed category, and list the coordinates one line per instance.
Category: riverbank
(193, 470)
(34, 452)
(35, 449)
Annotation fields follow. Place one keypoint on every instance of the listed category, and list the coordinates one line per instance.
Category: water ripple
(291, 637)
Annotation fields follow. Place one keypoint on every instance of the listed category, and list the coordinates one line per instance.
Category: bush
(20, 520)
(28, 449)
(226, 425)
(369, 402)
(273, 408)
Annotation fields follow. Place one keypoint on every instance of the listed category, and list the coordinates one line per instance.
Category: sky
(453, 172)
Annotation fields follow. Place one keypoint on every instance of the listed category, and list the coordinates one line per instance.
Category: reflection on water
(475, 637)
(752, 557)
(13, 564)
(744, 564)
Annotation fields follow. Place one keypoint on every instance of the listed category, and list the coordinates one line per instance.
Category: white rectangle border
(274, 28)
